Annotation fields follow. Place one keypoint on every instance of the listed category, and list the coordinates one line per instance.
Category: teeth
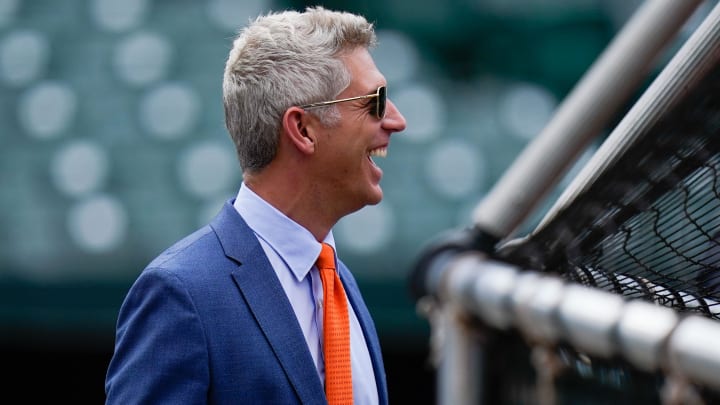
(379, 152)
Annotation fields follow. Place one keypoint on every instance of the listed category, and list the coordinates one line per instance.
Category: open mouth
(379, 152)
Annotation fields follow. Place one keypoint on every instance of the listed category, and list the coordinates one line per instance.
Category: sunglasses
(378, 107)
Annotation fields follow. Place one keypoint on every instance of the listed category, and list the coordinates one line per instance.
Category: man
(233, 314)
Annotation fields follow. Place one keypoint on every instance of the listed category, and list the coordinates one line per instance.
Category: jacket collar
(265, 297)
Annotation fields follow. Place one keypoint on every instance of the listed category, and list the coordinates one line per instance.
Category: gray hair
(285, 59)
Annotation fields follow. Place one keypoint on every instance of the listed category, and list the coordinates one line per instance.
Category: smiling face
(346, 173)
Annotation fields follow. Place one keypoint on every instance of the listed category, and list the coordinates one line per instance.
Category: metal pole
(459, 376)
(582, 115)
(690, 64)
(545, 310)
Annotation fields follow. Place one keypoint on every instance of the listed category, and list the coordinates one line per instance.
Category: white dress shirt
(292, 251)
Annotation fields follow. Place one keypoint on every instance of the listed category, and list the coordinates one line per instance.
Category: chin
(370, 197)
(375, 197)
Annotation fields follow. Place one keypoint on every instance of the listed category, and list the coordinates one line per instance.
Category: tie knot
(326, 260)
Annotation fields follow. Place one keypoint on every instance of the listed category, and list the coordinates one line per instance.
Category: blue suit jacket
(208, 322)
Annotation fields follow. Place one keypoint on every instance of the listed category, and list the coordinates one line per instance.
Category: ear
(297, 127)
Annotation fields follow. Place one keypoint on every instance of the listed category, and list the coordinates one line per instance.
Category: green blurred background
(112, 146)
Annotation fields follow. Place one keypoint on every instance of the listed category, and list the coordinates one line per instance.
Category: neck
(298, 199)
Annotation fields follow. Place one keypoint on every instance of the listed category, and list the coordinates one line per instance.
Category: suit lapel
(368, 328)
(265, 297)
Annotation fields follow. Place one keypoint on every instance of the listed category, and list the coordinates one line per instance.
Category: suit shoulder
(199, 243)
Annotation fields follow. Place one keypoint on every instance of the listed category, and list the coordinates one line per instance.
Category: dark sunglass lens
(381, 101)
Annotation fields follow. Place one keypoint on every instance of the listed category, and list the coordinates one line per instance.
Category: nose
(394, 120)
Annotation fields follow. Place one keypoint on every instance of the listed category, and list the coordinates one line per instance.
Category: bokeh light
(23, 57)
(47, 109)
(170, 110)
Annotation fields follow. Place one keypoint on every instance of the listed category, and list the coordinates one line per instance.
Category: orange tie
(336, 332)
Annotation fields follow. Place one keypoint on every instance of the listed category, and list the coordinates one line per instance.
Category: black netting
(649, 226)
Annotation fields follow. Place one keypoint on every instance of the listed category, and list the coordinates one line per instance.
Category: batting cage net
(614, 298)
(649, 227)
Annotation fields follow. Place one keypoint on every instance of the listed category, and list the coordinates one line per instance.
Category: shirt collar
(295, 245)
